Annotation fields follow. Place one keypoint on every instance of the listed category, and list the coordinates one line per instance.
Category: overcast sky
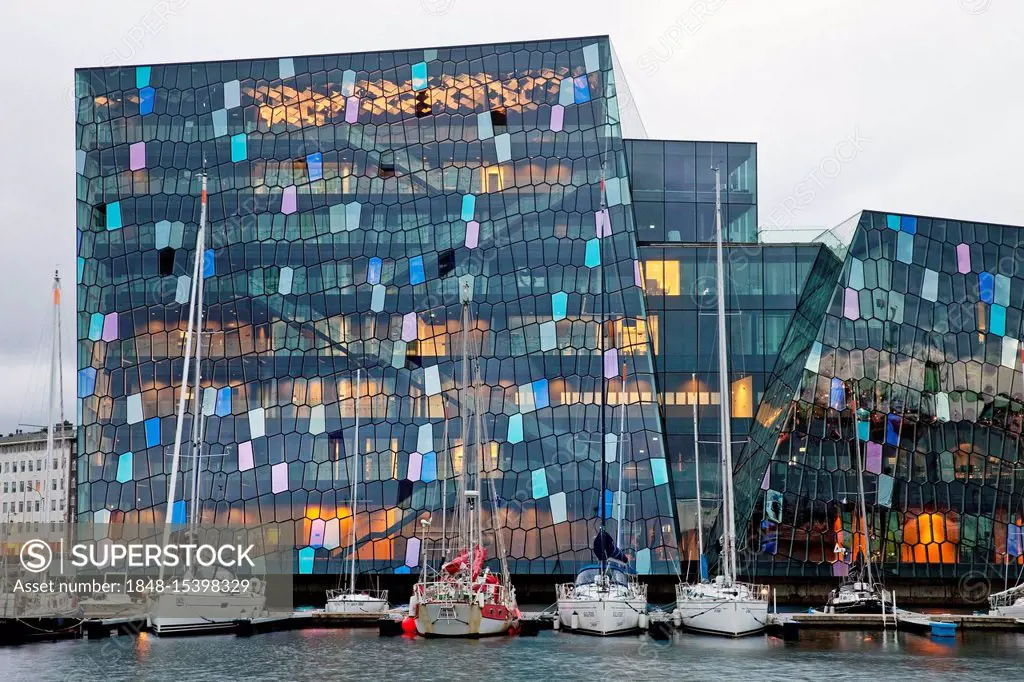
(930, 91)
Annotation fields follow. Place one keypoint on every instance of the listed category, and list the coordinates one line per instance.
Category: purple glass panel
(874, 463)
(316, 532)
(840, 569)
(611, 363)
(279, 477)
(110, 327)
(415, 464)
(472, 234)
(409, 327)
(557, 117)
(851, 309)
(636, 274)
(412, 552)
(352, 110)
(764, 481)
(245, 456)
(603, 223)
(137, 156)
(288, 200)
(963, 258)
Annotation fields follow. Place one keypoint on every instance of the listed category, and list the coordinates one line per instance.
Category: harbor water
(360, 654)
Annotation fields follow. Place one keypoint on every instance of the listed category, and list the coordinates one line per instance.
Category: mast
(55, 390)
(860, 490)
(442, 477)
(465, 539)
(198, 421)
(696, 471)
(176, 452)
(355, 481)
(621, 451)
(604, 384)
(729, 535)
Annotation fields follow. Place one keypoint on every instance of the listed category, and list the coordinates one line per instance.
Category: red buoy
(409, 625)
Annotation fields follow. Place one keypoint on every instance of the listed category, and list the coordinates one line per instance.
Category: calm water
(360, 654)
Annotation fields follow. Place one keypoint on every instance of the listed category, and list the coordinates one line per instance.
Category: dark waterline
(360, 654)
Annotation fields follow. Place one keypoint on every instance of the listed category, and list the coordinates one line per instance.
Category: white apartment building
(32, 488)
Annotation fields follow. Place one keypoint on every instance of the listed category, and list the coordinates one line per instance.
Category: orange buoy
(409, 625)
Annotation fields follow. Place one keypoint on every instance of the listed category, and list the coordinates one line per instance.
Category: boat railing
(447, 591)
(373, 594)
(637, 590)
(1006, 597)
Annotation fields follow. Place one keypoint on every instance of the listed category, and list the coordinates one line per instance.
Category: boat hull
(1012, 611)
(175, 614)
(459, 619)
(725, 617)
(356, 607)
(601, 616)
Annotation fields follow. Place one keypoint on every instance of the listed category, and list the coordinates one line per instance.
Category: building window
(661, 277)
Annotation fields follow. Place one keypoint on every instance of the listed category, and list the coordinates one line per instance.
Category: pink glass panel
(963, 258)
(557, 117)
(351, 110)
(316, 532)
(851, 309)
(636, 273)
(874, 463)
(611, 363)
(110, 327)
(137, 156)
(279, 477)
(415, 464)
(288, 200)
(472, 234)
(409, 327)
(245, 456)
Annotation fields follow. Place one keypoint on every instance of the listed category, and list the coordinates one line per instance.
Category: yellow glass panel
(661, 277)
(743, 398)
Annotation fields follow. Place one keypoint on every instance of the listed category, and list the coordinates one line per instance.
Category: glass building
(353, 198)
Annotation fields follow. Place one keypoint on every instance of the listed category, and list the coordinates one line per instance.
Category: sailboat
(606, 598)
(464, 598)
(188, 613)
(723, 606)
(858, 592)
(352, 602)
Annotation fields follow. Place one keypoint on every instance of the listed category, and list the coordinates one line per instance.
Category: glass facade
(906, 354)
(352, 199)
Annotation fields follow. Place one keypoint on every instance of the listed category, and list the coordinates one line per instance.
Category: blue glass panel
(152, 432)
(468, 206)
(609, 503)
(403, 570)
(315, 166)
(81, 267)
(147, 97)
(659, 471)
(892, 425)
(373, 271)
(178, 511)
(114, 215)
(540, 393)
(416, 275)
(142, 76)
(908, 224)
(124, 467)
(559, 303)
(223, 407)
(515, 429)
(893, 222)
(86, 382)
(986, 286)
(581, 89)
(96, 326)
(998, 322)
(863, 430)
(306, 557)
(837, 395)
(419, 76)
(428, 467)
(209, 268)
(540, 484)
(593, 255)
(239, 148)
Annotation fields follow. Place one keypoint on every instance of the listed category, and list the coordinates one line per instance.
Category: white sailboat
(192, 612)
(606, 598)
(350, 601)
(723, 606)
(858, 592)
(464, 598)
